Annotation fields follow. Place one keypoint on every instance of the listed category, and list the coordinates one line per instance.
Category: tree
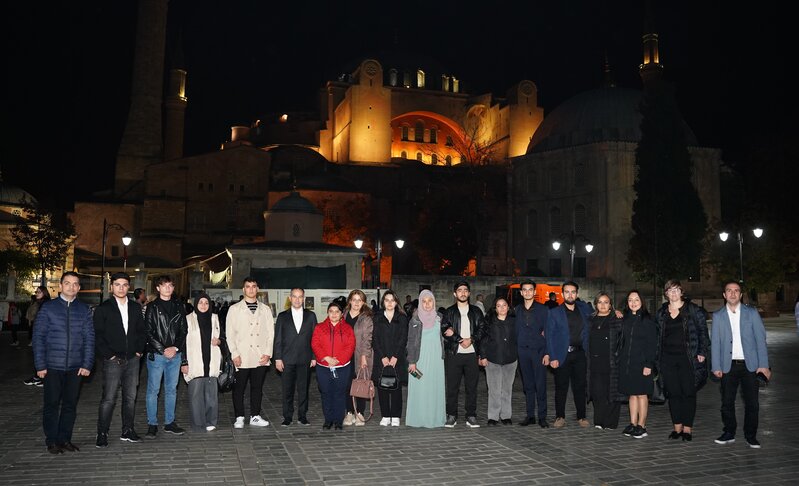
(668, 221)
(21, 261)
(39, 234)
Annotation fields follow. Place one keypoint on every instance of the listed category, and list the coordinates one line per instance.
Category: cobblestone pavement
(379, 455)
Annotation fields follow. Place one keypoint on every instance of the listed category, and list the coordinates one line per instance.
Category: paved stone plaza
(379, 455)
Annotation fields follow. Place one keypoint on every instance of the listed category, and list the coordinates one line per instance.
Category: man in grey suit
(738, 341)
(293, 355)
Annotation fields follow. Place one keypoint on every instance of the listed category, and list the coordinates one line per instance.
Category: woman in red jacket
(333, 345)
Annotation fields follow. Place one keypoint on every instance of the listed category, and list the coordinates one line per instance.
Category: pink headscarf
(428, 318)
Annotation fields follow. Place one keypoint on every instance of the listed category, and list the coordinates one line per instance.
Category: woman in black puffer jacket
(683, 346)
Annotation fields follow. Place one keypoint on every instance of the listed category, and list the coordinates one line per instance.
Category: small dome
(11, 195)
(294, 203)
(599, 115)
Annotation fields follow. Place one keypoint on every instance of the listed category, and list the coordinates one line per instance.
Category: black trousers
(456, 366)
(534, 381)
(361, 402)
(678, 383)
(606, 410)
(116, 372)
(573, 369)
(61, 390)
(739, 375)
(390, 402)
(256, 378)
(295, 376)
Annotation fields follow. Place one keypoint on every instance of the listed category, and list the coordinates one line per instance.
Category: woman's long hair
(492, 312)
(643, 311)
(390, 292)
(365, 309)
(45, 293)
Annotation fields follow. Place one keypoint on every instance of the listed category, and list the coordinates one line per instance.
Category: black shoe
(639, 432)
(507, 422)
(304, 421)
(726, 438)
(675, 435)
(452, 421)
(527, 421)
(472, 422)
(102, 441)
(130, 435)
(492, 423)
(628, 431)
(54, 449)
(687, 437)
(69, 446)
(152, 431)
(286, 422)
(339, 426)
(753, 443)
(543, 423)
(173, 429)
(327, 425)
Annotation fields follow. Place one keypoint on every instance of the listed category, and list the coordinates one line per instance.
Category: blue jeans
(169, 369)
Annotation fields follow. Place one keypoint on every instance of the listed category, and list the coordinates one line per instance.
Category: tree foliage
(43, 237)
(668, 221)
(21, 261)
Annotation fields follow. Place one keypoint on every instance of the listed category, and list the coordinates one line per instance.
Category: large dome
(599, 115)
(12, 195)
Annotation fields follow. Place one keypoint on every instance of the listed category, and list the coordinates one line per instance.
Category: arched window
(404, 132)
(434, 159)
(580, 174)
(448, 159)
(419, 78)
(579, 219)
(419, 157)
(554, 221)
(433, 135)
(532, 223)
(404, 154)
(419, 132)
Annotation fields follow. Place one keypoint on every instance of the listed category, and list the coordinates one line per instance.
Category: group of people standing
(604, 355)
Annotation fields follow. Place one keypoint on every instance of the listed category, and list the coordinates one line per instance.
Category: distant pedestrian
(39, 297)
(552, 302)
(13, 322)
(479, 302)
(63, 352)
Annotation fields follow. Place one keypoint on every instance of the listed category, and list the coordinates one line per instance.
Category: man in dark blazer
(738, 341)
(120, 337)
(293, 356)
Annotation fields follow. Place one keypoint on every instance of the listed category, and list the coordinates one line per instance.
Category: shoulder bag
(363, 387)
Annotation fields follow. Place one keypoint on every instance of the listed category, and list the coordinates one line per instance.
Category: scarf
(428, 318)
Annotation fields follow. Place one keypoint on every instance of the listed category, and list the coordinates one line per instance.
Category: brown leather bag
(363, 387)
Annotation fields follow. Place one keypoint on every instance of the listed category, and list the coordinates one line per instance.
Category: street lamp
(572, 238)
(126, 239)
(399, 243)
(723, 236)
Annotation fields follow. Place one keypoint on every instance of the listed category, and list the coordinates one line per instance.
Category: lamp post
(723, 236)
(126, 239)
(379, 249)
(572, 238)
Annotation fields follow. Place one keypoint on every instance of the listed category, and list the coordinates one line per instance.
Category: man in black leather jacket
(166, 325)
(463, 326)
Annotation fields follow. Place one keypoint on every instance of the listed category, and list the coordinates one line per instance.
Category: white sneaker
(257, 421)
(239, 424)
(385, 421)
(395, 422)
(210, 428)
(349, 419)
(15, 343)
(359, 420)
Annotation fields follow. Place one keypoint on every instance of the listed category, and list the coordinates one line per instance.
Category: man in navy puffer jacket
(63, 352)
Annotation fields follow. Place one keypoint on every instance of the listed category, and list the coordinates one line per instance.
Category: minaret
(175, 106)
(608, 81)
(651, 69)
(141, 143)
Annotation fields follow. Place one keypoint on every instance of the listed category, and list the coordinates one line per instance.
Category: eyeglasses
(674, 290)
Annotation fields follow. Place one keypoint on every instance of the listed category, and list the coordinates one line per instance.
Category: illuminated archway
(439, 140)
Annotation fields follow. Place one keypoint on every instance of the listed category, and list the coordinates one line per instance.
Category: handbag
(388, 381)
(227, 371)
(363, 387)
(658, 393)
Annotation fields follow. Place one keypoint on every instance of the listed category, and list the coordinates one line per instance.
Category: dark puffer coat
(697, 340)
(63, 336)
(614, 334)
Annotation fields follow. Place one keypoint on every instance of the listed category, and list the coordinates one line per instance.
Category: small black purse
(227, 371)
(388, 381)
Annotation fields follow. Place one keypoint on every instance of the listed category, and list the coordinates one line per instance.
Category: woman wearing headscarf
(425, 352)
(333, 343)
(683, 344)
(389, 340)
(358, 315)
(204, 358)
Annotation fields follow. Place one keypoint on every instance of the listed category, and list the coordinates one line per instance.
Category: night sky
(68, 67)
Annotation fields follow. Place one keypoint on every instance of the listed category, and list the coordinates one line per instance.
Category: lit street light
(572, 239)
(126, 240)
(379, 249)
(724, 236)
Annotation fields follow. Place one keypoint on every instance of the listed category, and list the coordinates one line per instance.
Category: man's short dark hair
(527, 282)
(162, 280)
(297, 288)
(248, 280)
(572, 283)
(137, 293)
(120, 275)
(69, 274)
(731, 281)
(461, 283)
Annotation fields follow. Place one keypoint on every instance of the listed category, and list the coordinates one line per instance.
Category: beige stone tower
(141, 143)
(370, 127)
(525, 116)
(175, 108)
